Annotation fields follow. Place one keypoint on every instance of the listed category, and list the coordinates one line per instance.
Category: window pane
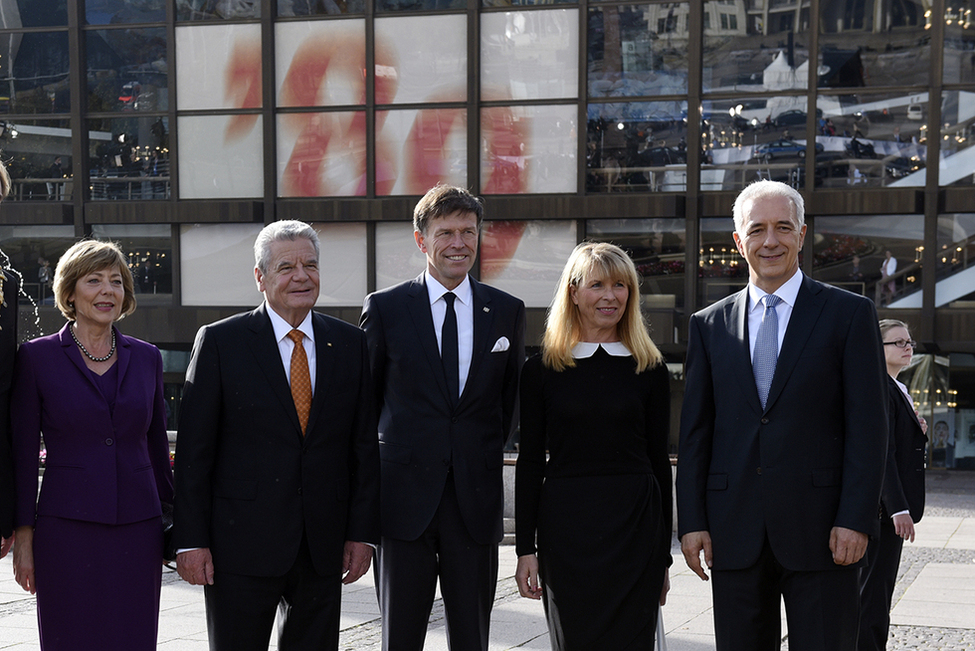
(33, 13)
(419, 5)
(873, 43)
(721, 270)
(149, 248)
(956, 260)
(27, 248)
(528, 149)
(397, 256)
(637, 50)
(218, 67)
(530, 55)
(217, 9)
(416, 149)
(220, 157)
(114, 12)
(753, 51)
(320, 7)
(342, 263)
(38, 157)
(413, 67)
(959, 65)
(523, 3)
(322, 154)
(852, 252)
(128, 158)
(131, 70)
(34, 68)
(636, 147)
(525, 258)
(321, 63)
(217, 264)
(958, 128)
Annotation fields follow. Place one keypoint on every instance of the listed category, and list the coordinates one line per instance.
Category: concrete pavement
(934, 598)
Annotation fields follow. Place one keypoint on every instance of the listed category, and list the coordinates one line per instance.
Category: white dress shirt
(285, 345)
(464, 308)
(756, 308)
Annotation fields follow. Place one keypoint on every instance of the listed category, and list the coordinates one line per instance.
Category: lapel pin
(329, 344)
(487, 309)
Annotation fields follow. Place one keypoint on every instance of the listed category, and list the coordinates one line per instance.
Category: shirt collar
(282, 327)
(787, 292)
(585, 349)
(435, 290)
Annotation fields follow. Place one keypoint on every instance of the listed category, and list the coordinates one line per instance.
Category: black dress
(601, 505)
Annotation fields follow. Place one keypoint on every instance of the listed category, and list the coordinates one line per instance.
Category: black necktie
(448, 347)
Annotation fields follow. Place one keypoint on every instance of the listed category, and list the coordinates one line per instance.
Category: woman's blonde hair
(563, 325)
(83, 258)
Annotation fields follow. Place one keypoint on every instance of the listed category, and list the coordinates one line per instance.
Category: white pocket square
(501, 345)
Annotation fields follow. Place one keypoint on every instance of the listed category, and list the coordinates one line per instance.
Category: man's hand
(196, 566)
(692, 544)
(355, 561)
(666, 588)
(904, 526)
(526, 575)
(848, 546)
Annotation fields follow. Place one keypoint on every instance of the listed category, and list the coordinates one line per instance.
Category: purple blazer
(105, 467)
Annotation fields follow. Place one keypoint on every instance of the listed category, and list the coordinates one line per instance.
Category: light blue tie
(766, 348)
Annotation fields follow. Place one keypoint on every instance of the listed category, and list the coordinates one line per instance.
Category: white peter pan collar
(585, 349)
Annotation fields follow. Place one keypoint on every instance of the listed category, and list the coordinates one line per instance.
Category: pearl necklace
(85, 350)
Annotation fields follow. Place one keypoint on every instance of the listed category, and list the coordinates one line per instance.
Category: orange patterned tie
(300, 379)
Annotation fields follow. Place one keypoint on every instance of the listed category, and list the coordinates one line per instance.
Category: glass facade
(179, 127)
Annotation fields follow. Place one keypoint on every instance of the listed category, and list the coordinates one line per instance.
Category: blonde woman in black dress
(598, 400)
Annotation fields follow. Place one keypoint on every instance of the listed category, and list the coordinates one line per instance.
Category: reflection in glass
(322, 154)
(342, 263)
(412, 66)
(128, 158)
(873, 43)
(528, 149)
(755, 46)
(115, 12)
(636, 147)
(37, 154)
(870, 140)
(637, 50)
(878, 256)
(530, 55)
(657, 246)
(218, 66)
(149, 248)
(721, 270)
(959, 52)
(397, 256)
(218, 160)
(215, 264)
(34, 69)
(418, 5)
(525, 258)
(33, 13)
(27, 248)
(956, 259)
(321, 63)
(217, 9)
(523, 3)
(128, 70)
(957, 130)
(418, 148)
(320, 7)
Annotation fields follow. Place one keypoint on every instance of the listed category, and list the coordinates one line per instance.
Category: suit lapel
(483, 320)
(418, 305)
(805, 314)
(324, 368)
(265, 350)
(70, 349)
(124, 355)
(737, 324)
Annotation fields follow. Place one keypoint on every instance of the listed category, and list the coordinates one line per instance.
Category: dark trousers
(240, 609)
(877, 581)
(821, 607)
(407, 572)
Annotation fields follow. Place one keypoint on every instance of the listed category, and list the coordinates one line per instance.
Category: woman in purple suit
(91, 545)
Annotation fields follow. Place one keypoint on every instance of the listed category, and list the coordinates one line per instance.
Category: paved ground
(934, 598)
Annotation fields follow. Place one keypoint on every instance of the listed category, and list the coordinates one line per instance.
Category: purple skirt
(97, 584)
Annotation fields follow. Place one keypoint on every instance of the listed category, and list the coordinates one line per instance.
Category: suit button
(299, 491)
(109, 441)
(453, 420)
(758, 470)
(765, 421)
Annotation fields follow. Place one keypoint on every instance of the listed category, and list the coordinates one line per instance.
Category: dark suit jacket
(103, 465)
(904, 480)
(8, 347)
(812, 460)
(248, 484)
(420, 433)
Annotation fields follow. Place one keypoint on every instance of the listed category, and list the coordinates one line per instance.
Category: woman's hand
(24, 559)
(666, 588)
(527, 577)
(903, 525)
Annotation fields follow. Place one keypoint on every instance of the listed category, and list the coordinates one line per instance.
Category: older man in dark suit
(446, 353)
(277, 465)
(782, 443)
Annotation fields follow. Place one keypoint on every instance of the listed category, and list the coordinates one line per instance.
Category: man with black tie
(277, 459)
(446, 352)
(783, 440)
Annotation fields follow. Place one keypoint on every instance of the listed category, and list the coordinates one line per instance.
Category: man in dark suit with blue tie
(277, 464)
(446, 352)
(783, 441)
